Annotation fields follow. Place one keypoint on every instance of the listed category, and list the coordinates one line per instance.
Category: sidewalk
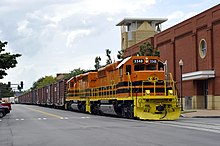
(201, 113)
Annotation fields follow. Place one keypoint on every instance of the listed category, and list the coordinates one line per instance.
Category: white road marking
(44, 118)
(194, 126)
(0, 120)
(64, 118)
(22, 119)
(17, 119)
(39, 118)
(197, 128)
(85, 117)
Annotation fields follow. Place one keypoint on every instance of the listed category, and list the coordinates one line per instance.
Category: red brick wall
(216, 55)
(182, 42)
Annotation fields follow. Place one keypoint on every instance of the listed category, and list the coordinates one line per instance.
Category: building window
(202, 48)
(130, 35)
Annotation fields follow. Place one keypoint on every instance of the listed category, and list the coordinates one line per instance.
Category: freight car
(137, 87)
(52, 95)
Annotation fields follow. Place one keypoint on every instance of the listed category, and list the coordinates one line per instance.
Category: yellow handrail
(130, 86)
(171, 82)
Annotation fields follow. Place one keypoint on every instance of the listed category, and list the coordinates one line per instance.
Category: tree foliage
(75, 72)
(120, 54)
(147, 50)
(7, 60)
(97, 62)
(5, 91)
(43, 81)
(109, 60)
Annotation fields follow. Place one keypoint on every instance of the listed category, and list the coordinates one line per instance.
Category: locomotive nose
(160, 108)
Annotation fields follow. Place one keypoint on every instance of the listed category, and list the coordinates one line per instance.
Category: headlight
(147, 92)
(170, 92)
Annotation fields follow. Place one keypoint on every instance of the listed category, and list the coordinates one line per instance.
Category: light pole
(181, 77)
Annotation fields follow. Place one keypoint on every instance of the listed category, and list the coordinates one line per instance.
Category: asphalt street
(29, 125)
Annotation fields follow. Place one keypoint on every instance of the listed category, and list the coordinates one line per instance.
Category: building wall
(182, 41)
(216, 54)
(133, 37)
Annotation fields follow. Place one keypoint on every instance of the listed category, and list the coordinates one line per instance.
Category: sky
(58, 36)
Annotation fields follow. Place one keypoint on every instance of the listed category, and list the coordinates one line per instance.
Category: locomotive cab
(153, 95)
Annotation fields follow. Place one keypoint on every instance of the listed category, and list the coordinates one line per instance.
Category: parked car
(4, 110)
(7, 104)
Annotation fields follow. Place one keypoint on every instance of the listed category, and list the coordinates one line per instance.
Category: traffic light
(19, 88)
(9, 84)
(22, 84)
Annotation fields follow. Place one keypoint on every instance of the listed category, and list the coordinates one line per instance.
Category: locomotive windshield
(148, 64)
(141, 67)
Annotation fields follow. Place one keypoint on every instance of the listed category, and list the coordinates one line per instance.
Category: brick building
(195, 41)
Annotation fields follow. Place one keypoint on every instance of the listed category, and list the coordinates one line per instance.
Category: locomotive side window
(160, 66)
(121, 71)
(71, 84)
(151, 67)
(128, 69)
(139, 67)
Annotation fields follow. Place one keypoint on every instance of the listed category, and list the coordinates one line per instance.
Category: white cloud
(175, 15)
(110, 19)
(23, 28)
(189, 15)
(73, 36)
(58, 36)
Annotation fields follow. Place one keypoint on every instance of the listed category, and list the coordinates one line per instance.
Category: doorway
(202, 94)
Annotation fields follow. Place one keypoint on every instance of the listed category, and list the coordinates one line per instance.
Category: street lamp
(181, 77)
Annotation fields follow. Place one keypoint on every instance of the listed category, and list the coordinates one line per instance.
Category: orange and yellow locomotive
(136, 87)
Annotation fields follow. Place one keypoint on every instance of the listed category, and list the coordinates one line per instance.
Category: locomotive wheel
(127, 111)
(83, 108)
(94, 109)
(130, 112)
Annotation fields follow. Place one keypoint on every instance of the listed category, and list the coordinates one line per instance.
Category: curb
(206, 117)
(183, 116)
(188, 111)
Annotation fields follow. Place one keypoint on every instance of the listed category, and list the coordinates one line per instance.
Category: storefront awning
(199, 75)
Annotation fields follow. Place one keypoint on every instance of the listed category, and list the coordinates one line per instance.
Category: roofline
(129, 20)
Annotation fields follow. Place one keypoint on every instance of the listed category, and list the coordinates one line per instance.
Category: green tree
(7, 60)
(75, 72)
(97, 62)
(147, 50)
(120, 54)
(5, 91)
(43, 81)
(109, 60)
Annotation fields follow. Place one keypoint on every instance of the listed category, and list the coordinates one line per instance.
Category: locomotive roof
(123, 62)
(82, 75)
(108, 66)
